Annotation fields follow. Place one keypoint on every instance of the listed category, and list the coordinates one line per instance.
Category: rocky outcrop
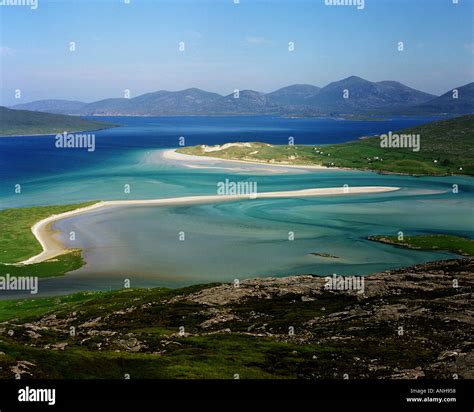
(408, 323)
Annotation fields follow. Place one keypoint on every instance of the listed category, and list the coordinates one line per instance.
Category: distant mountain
(25, 122)
(185, 102)
(355, 95)
(247, 102)
(109, 107)
(189, 101)
(363, 98)
(297, 94)
(161, 103)
(447, 104)
(58, 106)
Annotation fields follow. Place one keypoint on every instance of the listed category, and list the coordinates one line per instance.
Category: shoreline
(52, 247)
(55, 133)
(172, 154)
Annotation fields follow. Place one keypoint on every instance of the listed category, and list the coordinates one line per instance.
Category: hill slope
(297, 94)
(446, 147)
(188, 101)
(25, 122)
(364, 96)
(463, 104)
(215, 331)
(57, 106)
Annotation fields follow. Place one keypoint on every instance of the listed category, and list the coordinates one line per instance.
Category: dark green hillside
(455, 244)
(25, 122)
(265, 328)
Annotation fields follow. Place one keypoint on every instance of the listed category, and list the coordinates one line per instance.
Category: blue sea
(233, 240)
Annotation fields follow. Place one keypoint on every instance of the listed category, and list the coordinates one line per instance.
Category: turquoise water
(223, 241)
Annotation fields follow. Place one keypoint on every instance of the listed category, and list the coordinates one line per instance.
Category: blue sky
(228, 46)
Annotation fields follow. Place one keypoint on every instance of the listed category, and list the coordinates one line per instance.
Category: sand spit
(52, 247)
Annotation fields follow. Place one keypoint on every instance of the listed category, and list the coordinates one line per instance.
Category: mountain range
(350, 96)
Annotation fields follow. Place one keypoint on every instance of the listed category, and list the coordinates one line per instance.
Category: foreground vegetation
(25, 122)
(54, 267)
(446, 147)
(265, 328)
(18, 243)
(450, 243)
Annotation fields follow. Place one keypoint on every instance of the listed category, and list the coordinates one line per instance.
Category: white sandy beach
(172, 154)
(53, 248)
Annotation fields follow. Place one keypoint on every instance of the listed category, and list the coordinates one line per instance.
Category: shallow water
(227, 240)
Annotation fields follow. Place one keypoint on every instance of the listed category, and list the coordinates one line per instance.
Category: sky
(135, 45)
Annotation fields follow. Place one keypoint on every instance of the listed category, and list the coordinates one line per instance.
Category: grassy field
(25, 122)
(25, 309)
(18, 243)
(136, 331)
(455, 244)
(54, 267)
(446, 147)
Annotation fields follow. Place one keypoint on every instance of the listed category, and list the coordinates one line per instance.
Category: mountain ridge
(350, 96)
(463, 104)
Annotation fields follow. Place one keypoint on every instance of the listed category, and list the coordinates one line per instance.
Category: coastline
(172, 154)
(55, 133)
(52, 247)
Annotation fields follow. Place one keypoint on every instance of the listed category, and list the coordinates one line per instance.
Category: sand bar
(172, 154)
(52, 247)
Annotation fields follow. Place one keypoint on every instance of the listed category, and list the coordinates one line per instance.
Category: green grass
(455, 244)
(448, 142)
(25, 309)
(214, 356)
(208, 357)
(93, 303)
(53, 267)
(18, 243)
